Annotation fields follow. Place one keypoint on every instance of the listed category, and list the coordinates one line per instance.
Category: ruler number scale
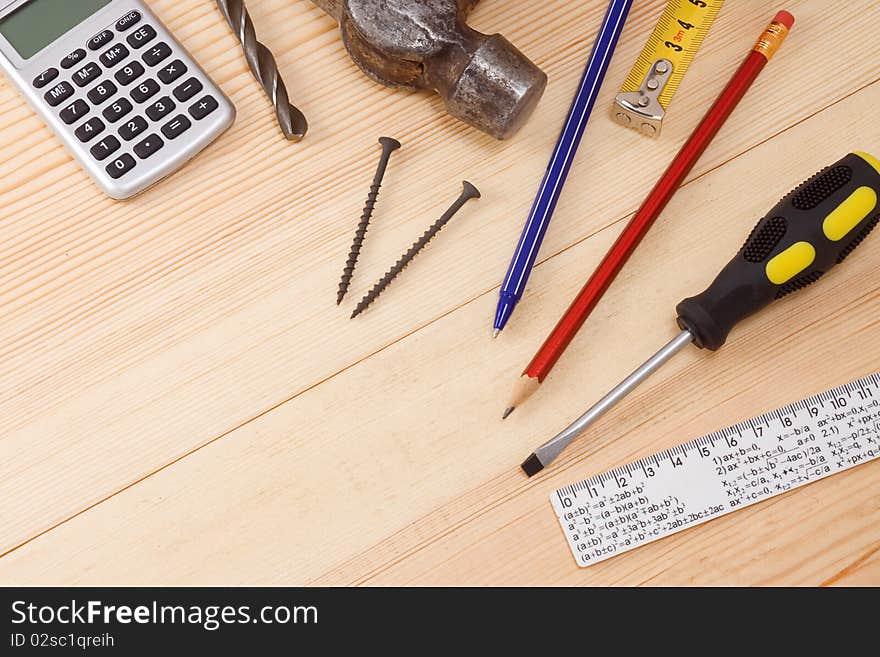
(716, 474)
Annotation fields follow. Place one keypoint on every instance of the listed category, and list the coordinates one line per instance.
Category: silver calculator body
(118, 89)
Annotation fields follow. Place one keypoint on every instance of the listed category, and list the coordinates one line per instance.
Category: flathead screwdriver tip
(507, 412)
(532, 465)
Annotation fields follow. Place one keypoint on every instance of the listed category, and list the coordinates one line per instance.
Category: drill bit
(262, 64)
(388, 147)
(467, 194)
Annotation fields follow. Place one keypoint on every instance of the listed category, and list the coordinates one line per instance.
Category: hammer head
(426, 44)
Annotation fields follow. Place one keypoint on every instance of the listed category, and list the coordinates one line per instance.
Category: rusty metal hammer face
(427, 44)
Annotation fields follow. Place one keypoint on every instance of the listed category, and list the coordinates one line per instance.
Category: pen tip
(508, 411)
(496, 333)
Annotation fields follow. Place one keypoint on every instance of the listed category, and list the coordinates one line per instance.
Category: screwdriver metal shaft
(812, 230)
(553, 448)
(265, 69)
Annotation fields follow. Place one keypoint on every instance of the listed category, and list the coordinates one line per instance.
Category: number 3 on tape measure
(660, 68)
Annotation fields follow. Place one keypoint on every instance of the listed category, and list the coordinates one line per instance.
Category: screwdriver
(815, 227)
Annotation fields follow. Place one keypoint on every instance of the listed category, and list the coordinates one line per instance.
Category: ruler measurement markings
(727, 476)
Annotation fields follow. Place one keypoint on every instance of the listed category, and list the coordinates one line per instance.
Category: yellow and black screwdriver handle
(810, 231)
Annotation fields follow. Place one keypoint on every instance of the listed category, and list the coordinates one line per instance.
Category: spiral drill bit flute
(262, 64)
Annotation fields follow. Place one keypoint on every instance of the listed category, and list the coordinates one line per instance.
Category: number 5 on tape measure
(653, 81)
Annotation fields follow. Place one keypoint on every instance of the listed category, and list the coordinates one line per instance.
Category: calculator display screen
(36, 24)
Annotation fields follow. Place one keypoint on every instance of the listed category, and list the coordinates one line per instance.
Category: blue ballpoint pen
(560, 164)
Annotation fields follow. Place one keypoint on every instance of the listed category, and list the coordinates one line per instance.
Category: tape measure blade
(721, 472)
(677, 37)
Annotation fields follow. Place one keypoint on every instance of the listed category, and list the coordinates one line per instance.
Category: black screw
(388, 147)
(469, 192)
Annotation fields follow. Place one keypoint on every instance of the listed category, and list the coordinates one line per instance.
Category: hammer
(426, 44)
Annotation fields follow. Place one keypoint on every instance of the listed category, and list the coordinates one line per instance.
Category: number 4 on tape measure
(722, 472)
(653, 81)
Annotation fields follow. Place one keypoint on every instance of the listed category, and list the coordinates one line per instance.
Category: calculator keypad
(129, 73)
(141, 37)
(90, 129)
(115, 55)
(74, 112)
(157, 54)
(121, 166)
(103, 92)
(136, 111)
(73, 58)
(105, 148)
(100, 40)
(128, 21)
(176, 127)
(133, 128)
(45, 77)
(117, 110)
(144, 91)
(87, 74)
(160, 109)
(171, 72)
(148, 146)
(188, 89)
(59, 93)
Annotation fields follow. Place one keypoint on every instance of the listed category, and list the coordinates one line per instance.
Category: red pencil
(663, 191)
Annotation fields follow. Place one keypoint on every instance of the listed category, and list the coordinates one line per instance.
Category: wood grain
(182, 401)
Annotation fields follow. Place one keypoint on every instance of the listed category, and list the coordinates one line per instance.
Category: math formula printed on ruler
(736, 467)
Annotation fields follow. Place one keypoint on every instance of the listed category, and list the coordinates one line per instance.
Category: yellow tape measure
(653, 81)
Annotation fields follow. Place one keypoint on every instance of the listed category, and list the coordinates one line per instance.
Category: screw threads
(388, 146)
(468, 193)
(264, 68)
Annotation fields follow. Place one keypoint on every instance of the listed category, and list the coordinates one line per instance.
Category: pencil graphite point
(508, 411)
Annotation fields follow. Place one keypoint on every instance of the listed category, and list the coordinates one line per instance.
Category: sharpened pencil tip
(496, 333)
(532, 465)
(508, 411)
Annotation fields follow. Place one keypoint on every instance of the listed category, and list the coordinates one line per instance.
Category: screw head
(389, 144)
(470, 191)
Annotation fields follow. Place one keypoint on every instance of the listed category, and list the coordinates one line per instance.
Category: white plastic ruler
(736, 467)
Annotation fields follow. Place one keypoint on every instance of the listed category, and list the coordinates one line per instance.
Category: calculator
(124, 96)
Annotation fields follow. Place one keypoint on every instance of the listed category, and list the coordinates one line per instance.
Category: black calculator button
(141, 37)
(144, 91)
(148, 146)
(160, 109)
(90, 129)
(105, 148)
(73, 58)
(118, 109)
(188, 89)
(100, 40)
(134, 127)
(59, 93)
(131, 19)
(204, 107)
(115, 55)
(157, 53)
(45, 77)
(171, 72)
(121, 166)
(176, 127)
(102, 92)
(74, 112)
(130, 73)
(88, 73)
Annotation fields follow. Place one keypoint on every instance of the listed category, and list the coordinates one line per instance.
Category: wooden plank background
(181, 401)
